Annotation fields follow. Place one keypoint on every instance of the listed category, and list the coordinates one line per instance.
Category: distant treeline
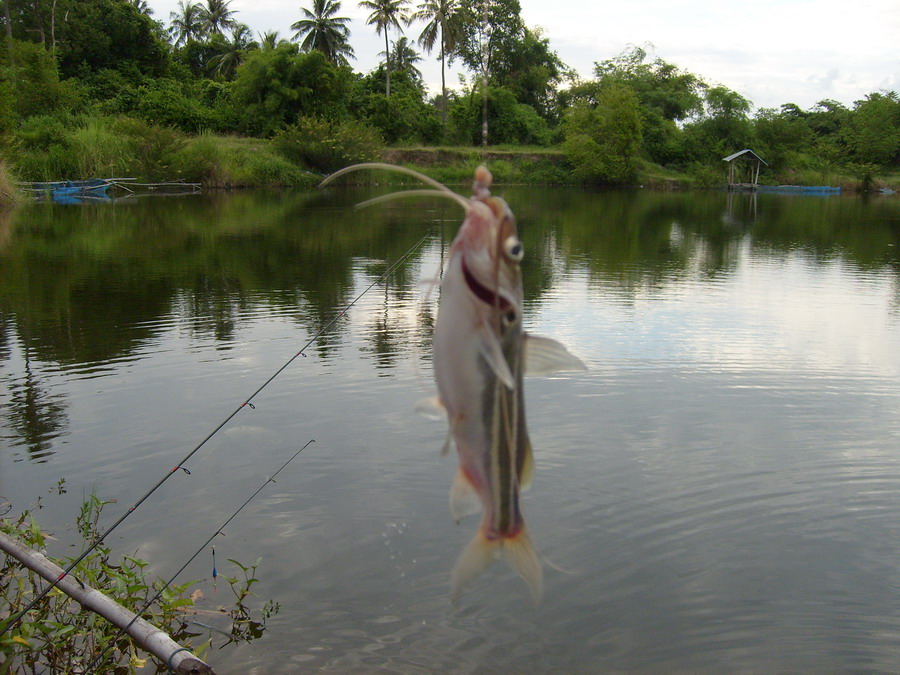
(91, 85)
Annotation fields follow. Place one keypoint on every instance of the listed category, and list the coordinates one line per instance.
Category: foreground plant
(58, 636)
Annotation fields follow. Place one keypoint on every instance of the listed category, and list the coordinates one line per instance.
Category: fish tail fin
(476, 557)
(521, 556)
(481, 551)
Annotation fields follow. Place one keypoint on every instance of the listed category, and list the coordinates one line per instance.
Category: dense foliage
(72, 71)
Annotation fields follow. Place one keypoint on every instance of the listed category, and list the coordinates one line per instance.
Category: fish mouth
(483, 293)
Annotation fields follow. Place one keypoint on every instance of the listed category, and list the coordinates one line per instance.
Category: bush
(328, 146)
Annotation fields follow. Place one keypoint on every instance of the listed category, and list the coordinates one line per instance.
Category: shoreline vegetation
(113, 91)
(120, 147)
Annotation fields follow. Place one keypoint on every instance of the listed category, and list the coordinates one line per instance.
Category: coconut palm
(142, 7)
(321, 29)
(444, 27)
(225, 63)
(269, 40)
(386, 13)
(404, 57)
(217, 17)
(187, 22)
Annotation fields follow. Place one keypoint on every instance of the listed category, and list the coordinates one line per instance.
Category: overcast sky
(770, 51)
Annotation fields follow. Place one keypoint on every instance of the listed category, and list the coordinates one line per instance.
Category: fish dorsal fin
(545, 355)
(464, 501)
(492, 353)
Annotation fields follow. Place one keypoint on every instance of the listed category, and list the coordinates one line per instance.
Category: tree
(322, 30)
(603, 142)
(275, 87)
(108, 34)
(483, 36)
(216, 17)
(186, 23)
(662, 87)
(386, 13)
(443, 26)
(527, 66)
(872, 135)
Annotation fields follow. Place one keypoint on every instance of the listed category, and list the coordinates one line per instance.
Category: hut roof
(740, 154)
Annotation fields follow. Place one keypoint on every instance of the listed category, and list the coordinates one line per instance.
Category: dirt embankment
(443, 157)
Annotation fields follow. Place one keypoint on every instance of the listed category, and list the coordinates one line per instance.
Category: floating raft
(96, 189)
(793, 189)
(817, 189)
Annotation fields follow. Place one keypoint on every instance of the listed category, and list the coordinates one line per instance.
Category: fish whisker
(387, 167)
(445, 194)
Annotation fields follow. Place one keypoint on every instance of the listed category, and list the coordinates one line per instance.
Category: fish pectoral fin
(478, 554)
(492, 352)
(464, 501)
(431, 407)
(545, 355)
(521, 556)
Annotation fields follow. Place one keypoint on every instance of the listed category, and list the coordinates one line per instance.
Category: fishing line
(124, 629)
(12, 621)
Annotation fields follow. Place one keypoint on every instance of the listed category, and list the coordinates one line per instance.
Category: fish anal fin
(464, 500)
(431, 407)
(520, 554)
(545, 355)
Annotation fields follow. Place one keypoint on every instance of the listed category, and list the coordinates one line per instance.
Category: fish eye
(513, 249)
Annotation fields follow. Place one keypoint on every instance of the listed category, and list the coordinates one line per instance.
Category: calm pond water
(719, 492)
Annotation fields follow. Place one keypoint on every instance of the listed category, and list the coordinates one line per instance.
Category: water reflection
(720, 488)
(85, 287)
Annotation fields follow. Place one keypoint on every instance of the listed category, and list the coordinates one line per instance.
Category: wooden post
(146, 635)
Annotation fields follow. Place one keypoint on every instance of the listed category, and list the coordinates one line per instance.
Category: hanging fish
(480, 355)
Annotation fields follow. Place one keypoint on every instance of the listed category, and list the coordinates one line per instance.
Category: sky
(769, 51)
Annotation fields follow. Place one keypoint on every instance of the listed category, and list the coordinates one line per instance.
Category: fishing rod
(12, 621)
(137, 614)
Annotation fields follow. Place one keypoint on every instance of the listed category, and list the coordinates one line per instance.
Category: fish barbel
(481, 353)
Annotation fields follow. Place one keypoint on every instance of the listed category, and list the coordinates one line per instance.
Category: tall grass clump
(99, 151)
(226, 162)
(63, 146)
(9, 192)
(202, 160)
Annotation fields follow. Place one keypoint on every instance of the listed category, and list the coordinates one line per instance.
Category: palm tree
(225, 64)
(444, 26)
(187, 22)
(324, 31)
(404, 58)
(386, 13)
(217, 17)
(142, 7)
(269, 40)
